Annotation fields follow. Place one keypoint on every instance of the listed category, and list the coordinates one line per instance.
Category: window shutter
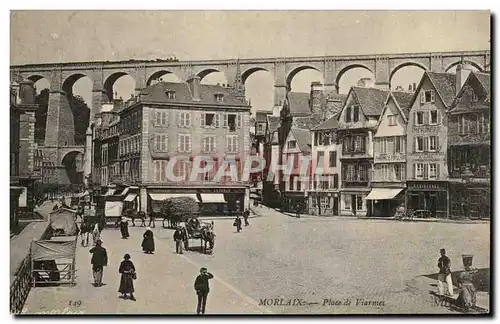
(432, 95)
(155, 119)
(238, 120)
(427, 118)
(437, 144)
(225, 120)
(188, 143)
(415, 144)
(178, 119)
(202, 121)
(426, 141)
(217, 120)
(414, 171)
(422, 97)
(178, 143)
(165, 143)
(437, 172)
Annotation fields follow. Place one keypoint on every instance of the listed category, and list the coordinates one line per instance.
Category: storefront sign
(424, 129)
(204, 190)
(426, 186)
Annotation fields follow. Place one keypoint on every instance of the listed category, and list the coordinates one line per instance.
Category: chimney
(194, 86)
(315, 96)
(365, 83)
(461, 75)
(27, 92)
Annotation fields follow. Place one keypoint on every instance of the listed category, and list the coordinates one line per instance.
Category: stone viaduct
(59, 141)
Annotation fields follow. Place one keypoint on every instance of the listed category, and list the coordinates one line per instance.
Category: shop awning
(163, 196)
(110, 192)
(383, 193)
(130, 197)
(125, 191)
(213, 198)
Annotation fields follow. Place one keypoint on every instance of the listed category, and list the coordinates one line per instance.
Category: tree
(179, 209)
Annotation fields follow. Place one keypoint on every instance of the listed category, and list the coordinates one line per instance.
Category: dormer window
(170, 94)
(475, 98)
(219, 97)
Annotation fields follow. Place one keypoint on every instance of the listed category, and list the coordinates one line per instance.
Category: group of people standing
(237, 220)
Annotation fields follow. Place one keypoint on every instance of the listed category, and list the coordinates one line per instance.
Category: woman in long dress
(124, 228)
(127, 270)
(96, 234)
(148, 242)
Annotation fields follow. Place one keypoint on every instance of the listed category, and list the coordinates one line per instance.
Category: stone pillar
(140, 78)
(280, 86)
(330, 77)
(143, 199)
(99, 95)
(88, 156)
(382, 74)
(436, 63)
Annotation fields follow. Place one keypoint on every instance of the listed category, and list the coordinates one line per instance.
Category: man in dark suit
(99, 260)
(202, 289)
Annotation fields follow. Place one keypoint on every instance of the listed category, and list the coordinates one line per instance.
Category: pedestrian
(142, 216)
(99, 261)
(202, 289)
(127, 270)
(148, 242)
(444, 265)
(96, 234)
(467, 292)
(246, 214)
(179, 239)
(84, 233)
(298, 207)
(124, 228)
(152, 219)
(237, 223)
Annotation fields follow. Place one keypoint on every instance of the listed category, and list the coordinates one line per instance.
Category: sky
(65, 36)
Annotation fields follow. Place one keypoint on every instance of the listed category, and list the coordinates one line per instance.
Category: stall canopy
(61, 248)
(383, 193)
(110, 192)
(213, 198)
(126, 190)
(163, 196)
(113, 208)
(130, 197)
(64, 220)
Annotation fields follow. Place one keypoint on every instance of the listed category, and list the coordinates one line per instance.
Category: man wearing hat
(98, 261)
(178, 238)
(444, 275)
(202, 289)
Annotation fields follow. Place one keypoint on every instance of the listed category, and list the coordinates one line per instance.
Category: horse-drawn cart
(202, 231)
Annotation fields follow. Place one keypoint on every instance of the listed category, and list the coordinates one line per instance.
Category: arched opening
(162, 75)
(351, 75)
(78, 89)
(300, 79)
(42, 87)
(213, 77)
(406, 77)
(73, 163)
(259, 90)
(119, 85)
(452, 68)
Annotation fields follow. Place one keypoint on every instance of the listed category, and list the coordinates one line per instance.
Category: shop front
(291, 201)
(385, 199)
(427, 199)
(213, 201)
(324, 203)
(470, 200)
(353, 202)
(131, 198)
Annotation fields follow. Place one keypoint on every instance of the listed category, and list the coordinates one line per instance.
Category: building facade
(469, 148)
(389, 156)
(294, 181)
(180, 122)
(15, 189)
(324, 195)
(427, 142)
(357, 124)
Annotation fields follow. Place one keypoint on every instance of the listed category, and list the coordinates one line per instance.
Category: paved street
(280, 257)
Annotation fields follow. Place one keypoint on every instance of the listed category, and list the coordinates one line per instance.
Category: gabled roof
(484, 79)
(444, 83)
(371, 100)
(303, 138)
(298, 103)
(330, 124)
(158, 93)
(404, 101)
(273, 123)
